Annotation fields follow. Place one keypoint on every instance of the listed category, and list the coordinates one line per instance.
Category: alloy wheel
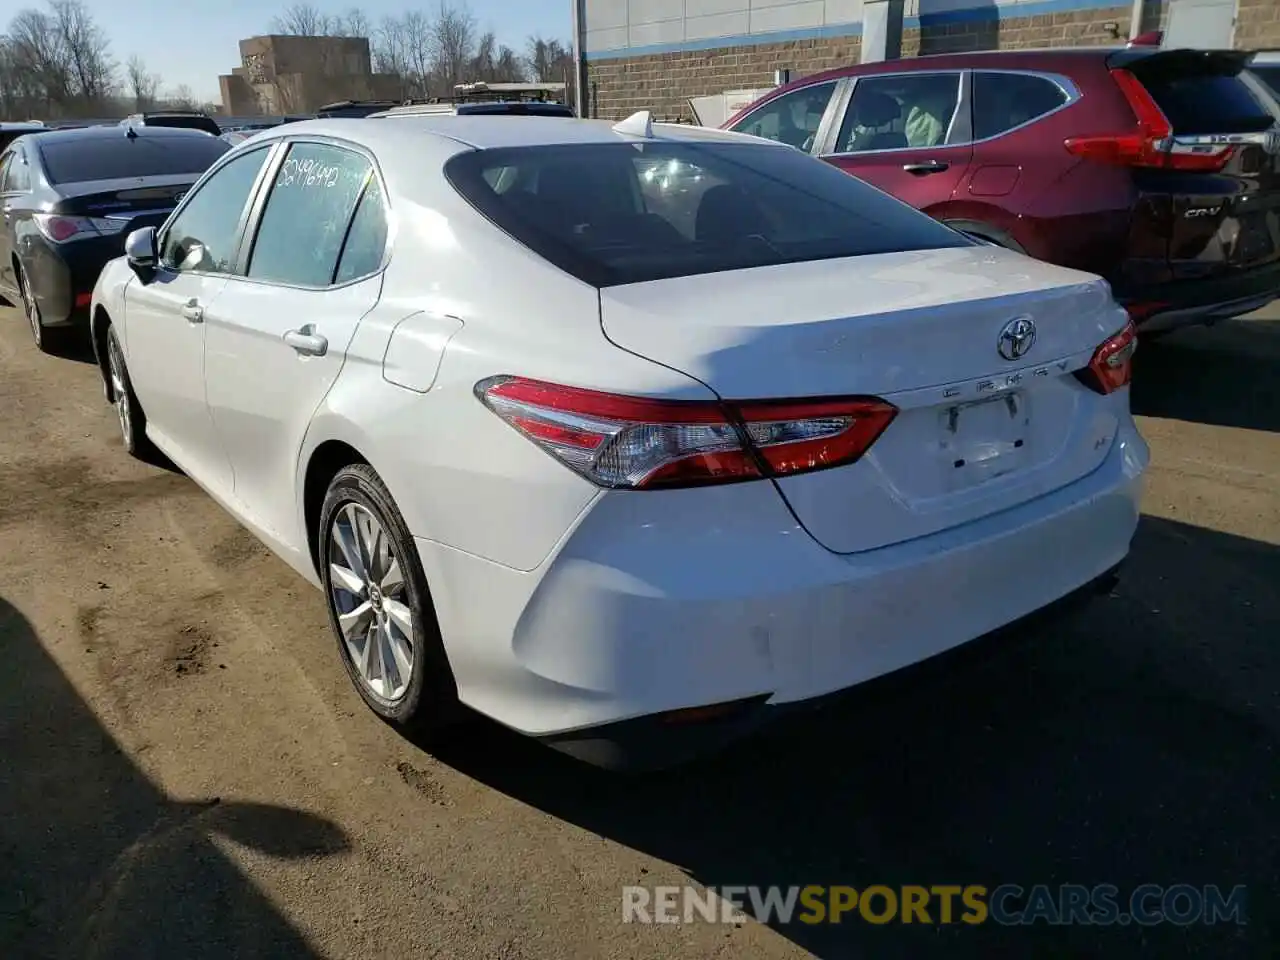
(31, 307)
(120, 389)
(370, 601)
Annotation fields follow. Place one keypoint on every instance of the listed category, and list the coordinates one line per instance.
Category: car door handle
(193, 312)
(307, 342)
(924, 169)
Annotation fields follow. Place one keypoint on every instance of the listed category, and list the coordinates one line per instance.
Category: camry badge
(1016, 338)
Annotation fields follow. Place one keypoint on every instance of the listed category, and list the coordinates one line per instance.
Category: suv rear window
(1270, 75)
(180, 121)
(112, 158)
(615, 213)
(1202, 95)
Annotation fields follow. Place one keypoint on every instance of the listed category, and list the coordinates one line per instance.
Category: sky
(192, 43)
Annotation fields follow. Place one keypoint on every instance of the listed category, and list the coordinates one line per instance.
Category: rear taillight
(1112, 365)
(1152, 144)
(60, 229)
(639, 443)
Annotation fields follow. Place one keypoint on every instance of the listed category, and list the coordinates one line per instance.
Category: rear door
(1216, 195)
(277, 338)
(908, 134)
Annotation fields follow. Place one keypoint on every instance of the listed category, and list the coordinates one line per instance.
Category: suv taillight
(1152, 144)
(1112, 364)
(639, 443)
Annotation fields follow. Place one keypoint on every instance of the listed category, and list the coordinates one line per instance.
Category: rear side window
(307, 216)
(367, 240)
(120, 158)
(1199, 99)
(1003, 101)
(617, 213)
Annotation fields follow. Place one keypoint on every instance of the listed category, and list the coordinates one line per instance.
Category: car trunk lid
(1213, 194)
(977, 431)
(124, 204)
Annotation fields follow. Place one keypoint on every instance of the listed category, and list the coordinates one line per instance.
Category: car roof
(114, 133)
(486, 132)
(24, 125)
(961, 60)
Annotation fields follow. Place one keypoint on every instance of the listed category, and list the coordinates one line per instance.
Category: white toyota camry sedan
(625, 436)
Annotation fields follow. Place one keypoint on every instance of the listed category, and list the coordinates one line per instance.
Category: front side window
(792, 118)
(1003, 101)
(897, 112)
(308, 214)
(205, 235)
(615, 213)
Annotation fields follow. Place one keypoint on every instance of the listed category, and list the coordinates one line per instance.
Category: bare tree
(419, 52)
(354, 23)
(181, 98)
(302, 20)
(142, 83)
(548, 60)
(86, 49)
(453, 38)
(55, 62)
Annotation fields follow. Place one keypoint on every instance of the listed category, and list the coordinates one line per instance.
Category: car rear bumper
(659, 602)
(62, 276)
(1169, 306)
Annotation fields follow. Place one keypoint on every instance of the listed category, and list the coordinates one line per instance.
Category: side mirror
(140, 250)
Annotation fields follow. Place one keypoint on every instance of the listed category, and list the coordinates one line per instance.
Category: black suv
(181, 119)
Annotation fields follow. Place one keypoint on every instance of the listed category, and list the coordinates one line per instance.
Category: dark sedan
(70, 197)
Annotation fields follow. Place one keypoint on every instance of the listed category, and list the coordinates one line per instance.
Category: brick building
(655, 54)
(285, 74)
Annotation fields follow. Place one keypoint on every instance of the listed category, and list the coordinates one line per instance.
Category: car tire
(50, 340)
(368, 562)
(129, 412)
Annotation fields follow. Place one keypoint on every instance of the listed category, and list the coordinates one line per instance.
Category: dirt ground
(185, 771)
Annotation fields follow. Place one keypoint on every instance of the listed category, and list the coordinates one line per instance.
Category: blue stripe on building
(982, 14)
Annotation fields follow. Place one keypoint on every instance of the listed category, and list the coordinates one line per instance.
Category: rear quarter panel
(1056, 206)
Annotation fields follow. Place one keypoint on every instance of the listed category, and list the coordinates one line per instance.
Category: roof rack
(480, 90)
(339, 104)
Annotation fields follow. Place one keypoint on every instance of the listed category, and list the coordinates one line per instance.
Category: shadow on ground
(96, 861)
(1228, 375)
(1133, 743)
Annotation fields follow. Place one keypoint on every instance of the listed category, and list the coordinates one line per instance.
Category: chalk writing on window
(304, 172)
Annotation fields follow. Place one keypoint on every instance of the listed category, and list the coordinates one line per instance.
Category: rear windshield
(1199, 101)
(1270, 75)
(112, 158)
(617, 213)
(184, 123)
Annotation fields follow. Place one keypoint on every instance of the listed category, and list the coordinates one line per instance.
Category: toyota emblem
(1016, 338)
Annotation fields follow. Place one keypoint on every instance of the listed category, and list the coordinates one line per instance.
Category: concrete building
(282, 75)
(655, 54)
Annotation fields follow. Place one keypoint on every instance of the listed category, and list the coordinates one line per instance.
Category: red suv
(1157, 169)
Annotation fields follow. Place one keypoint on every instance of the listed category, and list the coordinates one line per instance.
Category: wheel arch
(99, 323)
(987, 231)
(323, 464)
